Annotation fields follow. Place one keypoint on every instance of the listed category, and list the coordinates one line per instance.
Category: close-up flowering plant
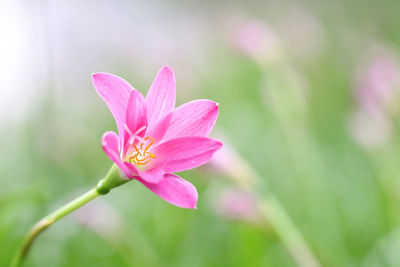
(154, 141)
(275, 145)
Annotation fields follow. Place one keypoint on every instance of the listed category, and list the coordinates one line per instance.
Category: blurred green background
(309, 99)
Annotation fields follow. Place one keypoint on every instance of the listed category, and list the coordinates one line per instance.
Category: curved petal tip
(167, 68)
(176, 191)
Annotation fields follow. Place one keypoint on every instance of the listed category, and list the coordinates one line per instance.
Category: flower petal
(158, 131)
(185, 153)
(152, 176)
(196, 118)
(160, 100)
(110, 143)
(136, 112)
(115, 92)
(134, 172)
(135, 117)
(176, 191)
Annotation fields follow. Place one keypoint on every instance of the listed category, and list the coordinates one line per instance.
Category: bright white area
(16, 74)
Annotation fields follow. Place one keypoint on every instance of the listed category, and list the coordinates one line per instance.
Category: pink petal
(196, 118)
(176, 191)
(110, 143)
(135, 116)
(185, 153)
(115, 92)
(152, 176)
(134, 172)
(160, 100)
(158, 131)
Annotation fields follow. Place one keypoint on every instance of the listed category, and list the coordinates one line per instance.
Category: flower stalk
(287, 232)
(112, 179)
(261, 206)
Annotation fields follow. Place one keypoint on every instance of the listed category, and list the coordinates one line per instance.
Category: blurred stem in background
(265, 204)
(276, 215)
(374, 122)
(112, 179)
(286, 99)
(385, 162)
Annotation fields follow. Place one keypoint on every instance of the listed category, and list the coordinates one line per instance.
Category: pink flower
(377, 86)
(239, 204)
(256, 39)
(156, 140)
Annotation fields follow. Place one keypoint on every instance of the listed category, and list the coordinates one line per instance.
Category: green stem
(288, 233)
(47, 221)
(112, 179)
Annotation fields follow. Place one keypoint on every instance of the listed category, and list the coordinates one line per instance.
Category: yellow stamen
(142, 157)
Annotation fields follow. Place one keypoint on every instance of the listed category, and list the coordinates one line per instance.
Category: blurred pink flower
(238, 204)
(378, 83)
(377, 92)
(256, 39)
(155, 139)
(229, 162)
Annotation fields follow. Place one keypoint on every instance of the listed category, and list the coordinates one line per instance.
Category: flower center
(142, 156)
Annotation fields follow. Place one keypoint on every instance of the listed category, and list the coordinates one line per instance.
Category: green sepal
(114, 178)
